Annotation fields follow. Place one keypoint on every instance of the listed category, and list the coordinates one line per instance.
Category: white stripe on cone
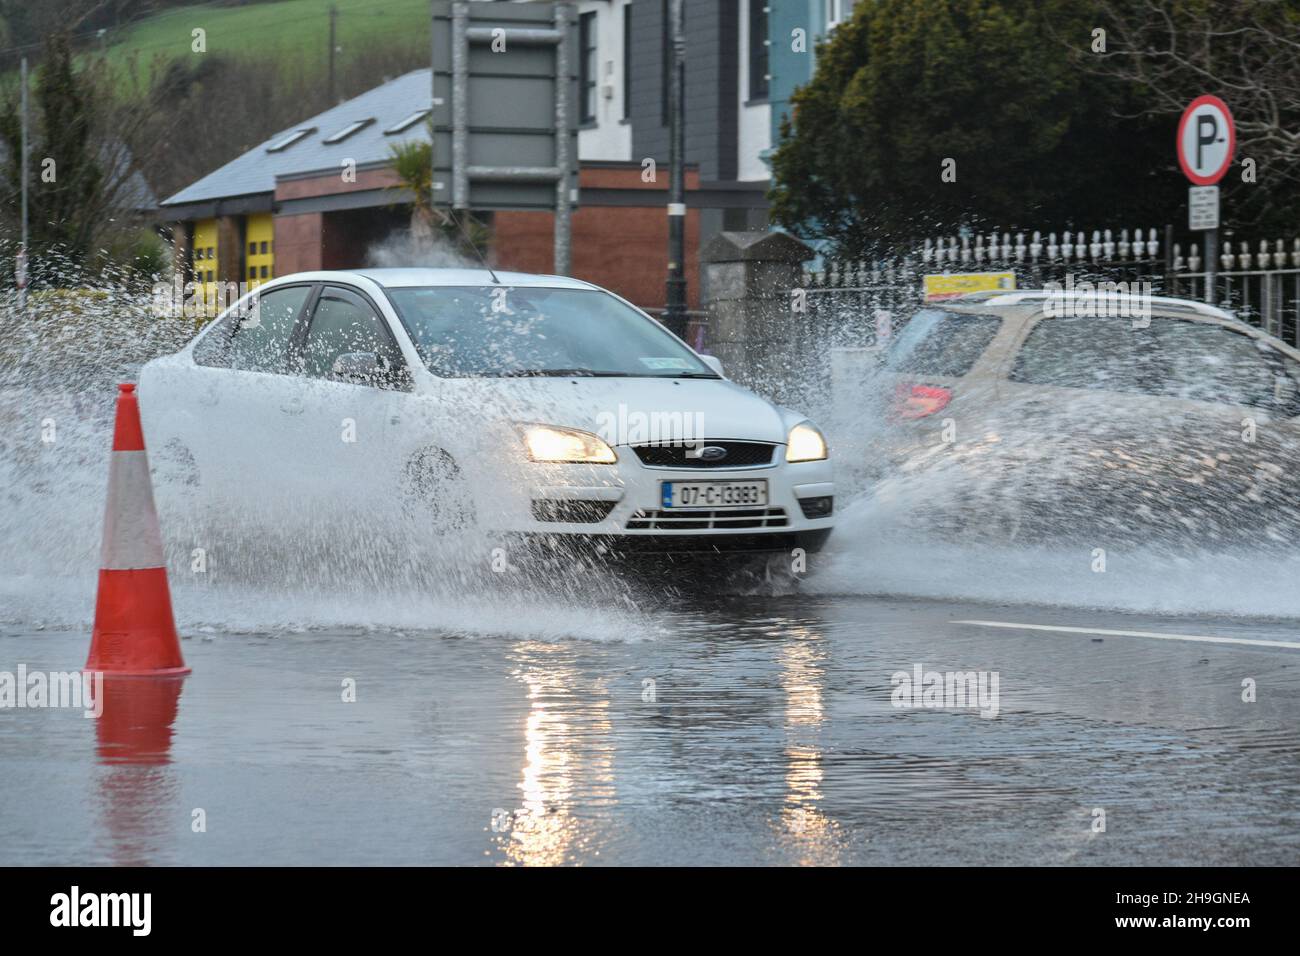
(132, 537)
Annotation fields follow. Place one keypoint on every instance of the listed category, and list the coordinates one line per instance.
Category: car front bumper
(623, 504)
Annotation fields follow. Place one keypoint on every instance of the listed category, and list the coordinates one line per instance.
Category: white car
(521, 404)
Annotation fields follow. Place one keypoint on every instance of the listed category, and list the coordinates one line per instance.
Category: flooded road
(734, 731)
(933, 700)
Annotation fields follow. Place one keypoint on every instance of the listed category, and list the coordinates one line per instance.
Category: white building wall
(754, 120)
(611, 137)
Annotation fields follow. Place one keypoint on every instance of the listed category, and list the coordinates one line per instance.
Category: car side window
(214, 348)
(345, 324)
(261, 337)
(1084, 351)
(1167, 357)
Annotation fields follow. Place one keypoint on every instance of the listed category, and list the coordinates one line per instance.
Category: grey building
(623, 65)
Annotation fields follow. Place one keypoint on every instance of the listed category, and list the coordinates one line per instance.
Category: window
(1170, 358)
(287, 141)
(463, 332)
(406, 122)
(837, 11)
(758, 57)
(587, 67)
(252, 248)
(627, 62)
(934, 342)
(261, 338)
(213, 349)
(264, 247)
(342, 323)
(347, 131)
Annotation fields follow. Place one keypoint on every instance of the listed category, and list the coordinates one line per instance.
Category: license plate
(714, 494)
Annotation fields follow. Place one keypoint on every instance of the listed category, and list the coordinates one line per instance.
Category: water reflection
(803, 680)
(137, 789)
(568, 751)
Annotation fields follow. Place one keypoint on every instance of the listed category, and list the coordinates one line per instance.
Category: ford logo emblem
(713, 453)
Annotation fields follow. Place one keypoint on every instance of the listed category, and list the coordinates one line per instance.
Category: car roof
(1033, 297)
(1029, 302)
(401, 278)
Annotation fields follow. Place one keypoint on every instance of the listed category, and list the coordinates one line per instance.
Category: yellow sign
(948, 286)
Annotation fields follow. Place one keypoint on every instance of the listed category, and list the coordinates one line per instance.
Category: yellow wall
(203, 255)
(259, 263)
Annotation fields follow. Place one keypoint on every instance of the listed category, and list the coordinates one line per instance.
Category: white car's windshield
(491, 331)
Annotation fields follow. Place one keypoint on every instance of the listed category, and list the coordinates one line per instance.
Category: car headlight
(550, 443)
(805, 443)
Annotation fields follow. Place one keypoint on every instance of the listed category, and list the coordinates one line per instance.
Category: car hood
(630, 410)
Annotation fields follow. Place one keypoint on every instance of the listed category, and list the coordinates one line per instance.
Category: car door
(348, 418)
(245, 396)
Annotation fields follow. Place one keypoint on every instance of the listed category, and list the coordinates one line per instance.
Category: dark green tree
(1035, 142)
(65, 180)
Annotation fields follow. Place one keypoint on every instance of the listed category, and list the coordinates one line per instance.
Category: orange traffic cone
(134, 629)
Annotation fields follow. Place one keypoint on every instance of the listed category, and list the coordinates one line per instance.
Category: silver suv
(1048, 415)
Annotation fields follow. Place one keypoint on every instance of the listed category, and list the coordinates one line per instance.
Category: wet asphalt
(723, 731)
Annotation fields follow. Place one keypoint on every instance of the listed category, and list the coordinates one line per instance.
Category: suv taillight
(918, 401)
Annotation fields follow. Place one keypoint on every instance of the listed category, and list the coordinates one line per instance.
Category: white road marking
(1156, 634)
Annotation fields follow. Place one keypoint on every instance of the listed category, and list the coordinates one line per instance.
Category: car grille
(707, 520)
(740, 454)
(570, 511)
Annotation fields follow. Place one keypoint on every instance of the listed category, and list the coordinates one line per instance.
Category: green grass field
(289, 28)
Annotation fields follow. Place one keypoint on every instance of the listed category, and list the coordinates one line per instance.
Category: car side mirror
(359, 368)
(713, 362)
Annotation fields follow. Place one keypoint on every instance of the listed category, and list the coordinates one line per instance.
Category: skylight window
(406, 122)
(347, 131)
(285, 142)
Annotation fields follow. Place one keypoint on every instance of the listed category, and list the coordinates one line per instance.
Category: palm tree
(412, 162)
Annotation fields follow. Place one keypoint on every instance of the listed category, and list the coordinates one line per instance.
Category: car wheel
(434, 492)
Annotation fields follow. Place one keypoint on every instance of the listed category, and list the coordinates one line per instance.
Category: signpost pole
(675, 313)
(1206, 141)
(563, 209)
(22, 248)
(1211, 263)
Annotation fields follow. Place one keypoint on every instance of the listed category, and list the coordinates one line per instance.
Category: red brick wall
(331, 183)
(623, 248)
(298, 243)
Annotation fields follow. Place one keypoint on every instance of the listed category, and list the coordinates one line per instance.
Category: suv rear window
(936, 342)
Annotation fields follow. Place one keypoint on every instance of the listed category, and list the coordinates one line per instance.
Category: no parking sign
(1207, 138)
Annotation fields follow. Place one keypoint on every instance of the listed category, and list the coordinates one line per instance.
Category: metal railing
(1261, 287)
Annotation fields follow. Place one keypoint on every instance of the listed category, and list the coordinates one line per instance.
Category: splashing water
(1090, 498)
(1012, 512)
(362, 568)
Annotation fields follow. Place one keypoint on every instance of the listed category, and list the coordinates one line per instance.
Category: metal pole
(1211, 263)
(334, 15)
(563, 87)
(22, 248)
(459, 106)
(675, 313)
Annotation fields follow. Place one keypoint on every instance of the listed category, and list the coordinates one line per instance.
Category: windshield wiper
(560, 373)
(687, 375)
